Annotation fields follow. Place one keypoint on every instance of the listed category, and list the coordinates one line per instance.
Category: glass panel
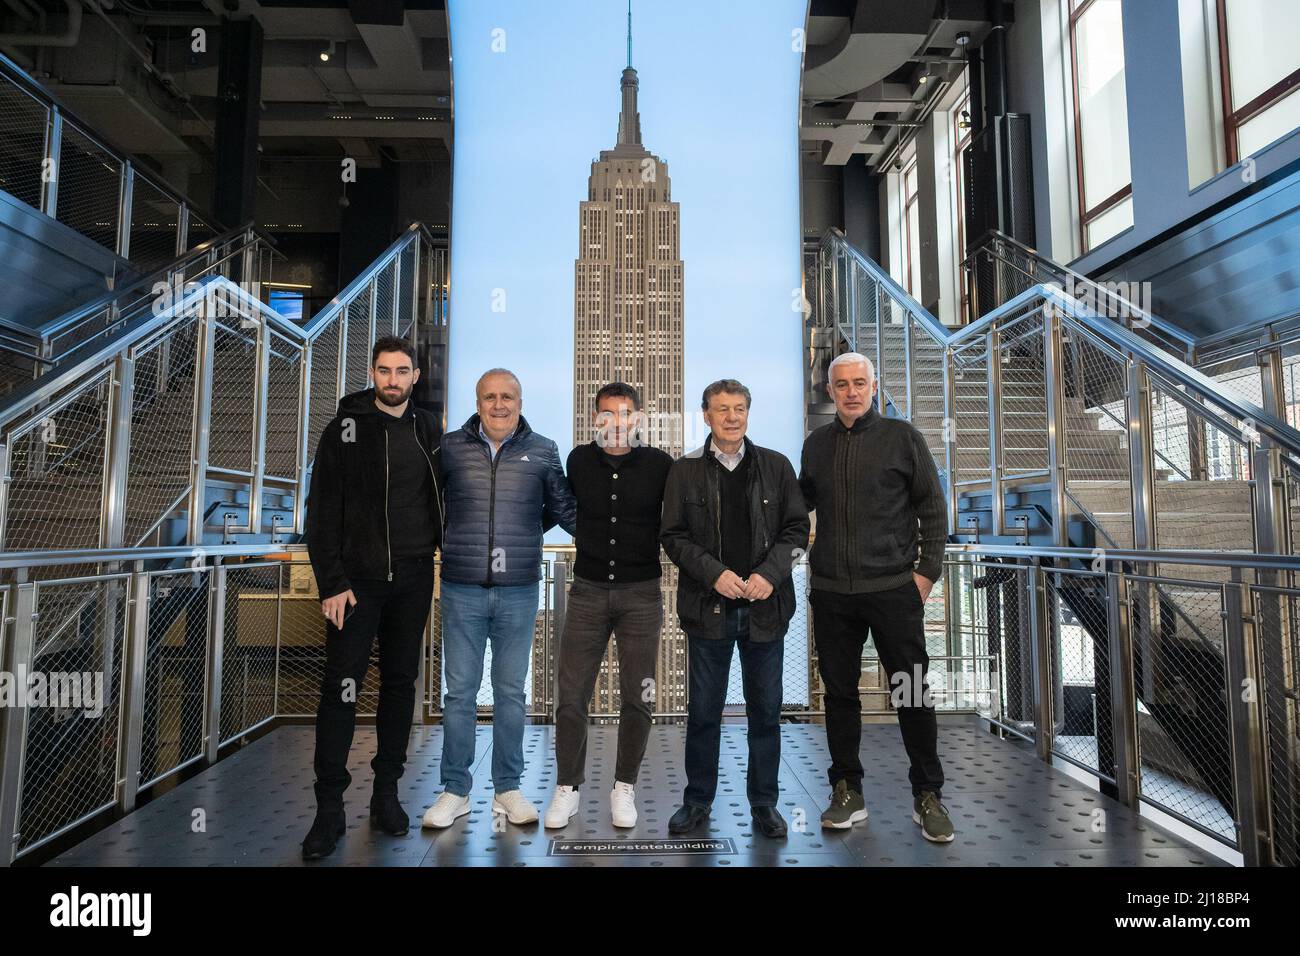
(1110, 223)
(1263, 46)
(1103, 110)
(914, 250)
(1272, 124)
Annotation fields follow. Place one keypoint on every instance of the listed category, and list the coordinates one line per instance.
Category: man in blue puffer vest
(504, 487)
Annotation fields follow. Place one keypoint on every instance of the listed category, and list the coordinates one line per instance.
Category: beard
(393, 399)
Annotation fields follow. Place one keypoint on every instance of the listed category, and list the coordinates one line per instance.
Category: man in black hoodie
(374, 521)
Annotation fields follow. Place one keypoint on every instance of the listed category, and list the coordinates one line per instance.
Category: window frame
(961, 139)
(910, 166)
(1087, 214)
(1234, 119)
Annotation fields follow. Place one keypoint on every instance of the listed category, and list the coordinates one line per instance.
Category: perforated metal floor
(1009, 809)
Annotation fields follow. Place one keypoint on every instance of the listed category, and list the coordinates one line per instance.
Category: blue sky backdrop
(718, 103)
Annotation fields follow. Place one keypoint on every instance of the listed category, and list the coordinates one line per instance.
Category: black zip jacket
(881, 512)
(691, 533)
(348, 533)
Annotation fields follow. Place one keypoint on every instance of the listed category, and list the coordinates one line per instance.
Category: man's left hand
(757, 588)
(923, 584)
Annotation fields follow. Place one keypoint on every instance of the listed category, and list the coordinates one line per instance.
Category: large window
(911, 231)
(1259, 59)
(961, 127)
(1105, 184)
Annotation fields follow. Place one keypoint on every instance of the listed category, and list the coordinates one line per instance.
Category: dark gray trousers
(634, 614)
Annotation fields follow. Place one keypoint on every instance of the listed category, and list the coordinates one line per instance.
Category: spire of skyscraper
(629, 122)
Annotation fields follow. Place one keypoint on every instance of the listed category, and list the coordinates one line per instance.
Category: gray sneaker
(847, 808)
(933, 818)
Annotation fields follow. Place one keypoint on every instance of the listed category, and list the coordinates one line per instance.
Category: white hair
(851, 358)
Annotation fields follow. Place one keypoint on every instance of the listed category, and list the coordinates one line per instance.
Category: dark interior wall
(823, 201)
(424, 194)
(861, 196)
(370, 221)
(309, 259)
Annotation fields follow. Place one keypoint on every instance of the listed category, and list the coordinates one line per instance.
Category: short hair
(728, 385)
(393, 343)
(850, 358)
(619, 390)
(500, 371)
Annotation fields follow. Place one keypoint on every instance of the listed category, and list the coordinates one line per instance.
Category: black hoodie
(349, 508)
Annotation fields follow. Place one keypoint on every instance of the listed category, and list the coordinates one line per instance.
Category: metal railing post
(126, 190)
(993, 350)
(13, 720)
(559, 598)
(304, 437)
(341, 380)
(1141, 451)
(113, 514)
(416, 270)
(951, 447)
(246, 272)
(131, 732)
(1245, 692)
(261, 385)
(204, 359)
(909, 392)
(216, 649)
(373, 292)
(1040, 644)
(1272, 516)
(1054, 365)
(50, 173)
(1123, 698)
(397, 295)
(883, 375)
(182, 227)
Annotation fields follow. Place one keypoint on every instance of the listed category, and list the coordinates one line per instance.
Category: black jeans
(894, 618)
(709, 661)
(636, 615)
(395, 612)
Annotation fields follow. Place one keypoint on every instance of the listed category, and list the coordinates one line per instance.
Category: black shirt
(737, 535)
(620, 498)
(411, 511)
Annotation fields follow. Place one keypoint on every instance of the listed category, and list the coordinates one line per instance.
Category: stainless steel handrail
(31, 86)
(1168, 366)
(1128, 308)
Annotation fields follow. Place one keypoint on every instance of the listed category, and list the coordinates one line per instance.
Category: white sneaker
(445, 810)
(564, 804)
(622, 804)
(515, 806)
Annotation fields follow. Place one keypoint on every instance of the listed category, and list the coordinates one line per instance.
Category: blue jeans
(472, 616)
(709, 661)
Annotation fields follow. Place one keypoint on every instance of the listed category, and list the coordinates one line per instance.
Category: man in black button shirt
(734, 523)
(618, 482)
(374, 520)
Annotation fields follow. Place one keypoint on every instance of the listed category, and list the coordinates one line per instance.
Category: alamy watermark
(58, 690)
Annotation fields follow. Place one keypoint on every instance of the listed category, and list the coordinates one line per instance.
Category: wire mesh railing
(199, 383)
(53, 162)
(1148, 451)
(152, 672)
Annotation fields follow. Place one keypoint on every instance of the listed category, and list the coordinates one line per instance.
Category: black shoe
(387, 814)
(324, 834)
(768, 821)
(687, 818)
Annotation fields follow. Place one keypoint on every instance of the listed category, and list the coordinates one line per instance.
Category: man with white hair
(877, 551)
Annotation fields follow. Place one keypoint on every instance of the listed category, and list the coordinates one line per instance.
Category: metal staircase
(1125, 526)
